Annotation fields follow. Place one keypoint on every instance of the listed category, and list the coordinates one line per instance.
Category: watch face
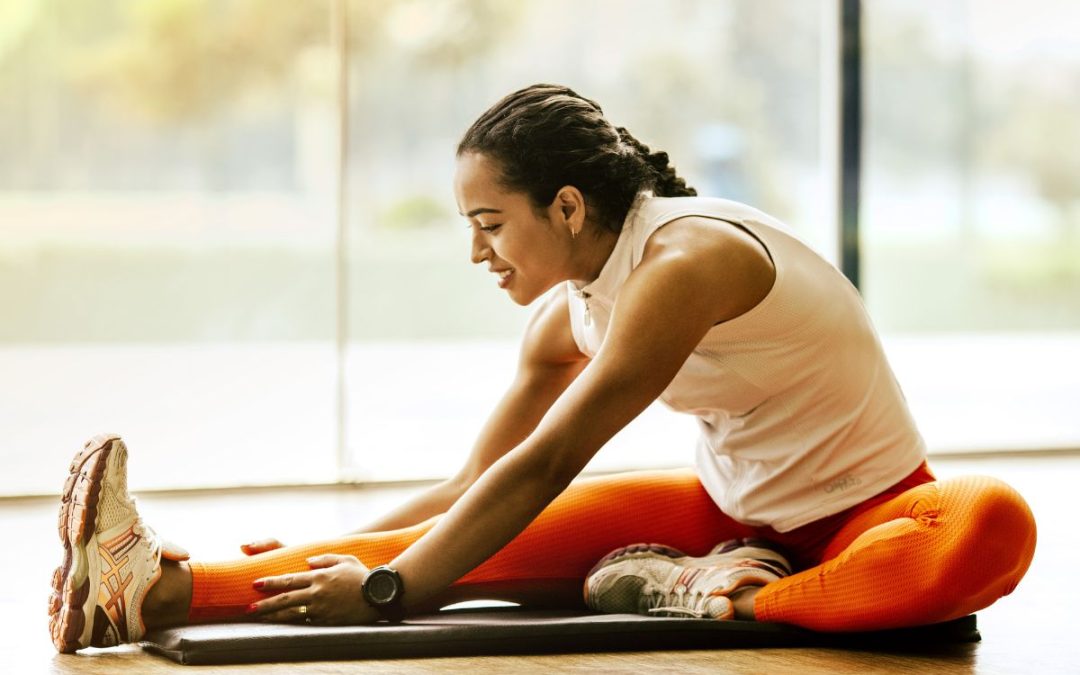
(382, 587)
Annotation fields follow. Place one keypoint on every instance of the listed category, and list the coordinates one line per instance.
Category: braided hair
(546, 136)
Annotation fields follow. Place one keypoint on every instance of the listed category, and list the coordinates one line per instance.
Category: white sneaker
(659, 580)
(111, 559)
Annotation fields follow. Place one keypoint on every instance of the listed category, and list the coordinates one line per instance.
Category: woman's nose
(480, 250)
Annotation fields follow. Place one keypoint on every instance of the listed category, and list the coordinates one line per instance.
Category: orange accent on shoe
(113, 579)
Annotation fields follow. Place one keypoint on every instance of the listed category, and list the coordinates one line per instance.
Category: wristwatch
(384, 590)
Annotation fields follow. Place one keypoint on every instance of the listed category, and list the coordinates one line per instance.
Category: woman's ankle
(168, 601)
(744, 603)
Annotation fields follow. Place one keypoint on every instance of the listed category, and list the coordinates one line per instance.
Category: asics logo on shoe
(115, 579)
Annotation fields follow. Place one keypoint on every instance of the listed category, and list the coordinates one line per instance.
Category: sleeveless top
(800, 414)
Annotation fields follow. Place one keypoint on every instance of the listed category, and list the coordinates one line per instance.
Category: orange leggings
(920, 552)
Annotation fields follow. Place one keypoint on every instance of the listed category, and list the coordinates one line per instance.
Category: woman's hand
(261, 546)
(329, 595)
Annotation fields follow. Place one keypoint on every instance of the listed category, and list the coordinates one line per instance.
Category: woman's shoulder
(651, 212)
(740, 268)
(714, 220)
(708, 228)
(713, 242)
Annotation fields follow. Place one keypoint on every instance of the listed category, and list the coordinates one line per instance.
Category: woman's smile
(504, 277)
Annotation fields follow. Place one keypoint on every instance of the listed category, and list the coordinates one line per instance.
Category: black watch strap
(384, 590)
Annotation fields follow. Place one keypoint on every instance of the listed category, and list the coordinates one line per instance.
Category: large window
(169, 212)
(971, 221)
(192, 254)
(729, 89)
(166, 239)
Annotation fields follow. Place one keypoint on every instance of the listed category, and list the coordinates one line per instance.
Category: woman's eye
(490, 228)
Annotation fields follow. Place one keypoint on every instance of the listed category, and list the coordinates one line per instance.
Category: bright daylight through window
(169, 213)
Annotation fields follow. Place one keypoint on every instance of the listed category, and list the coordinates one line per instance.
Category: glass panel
(972, 215)
(166, 220)
(729, 89)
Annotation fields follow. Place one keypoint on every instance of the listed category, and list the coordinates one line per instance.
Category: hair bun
(547, 136)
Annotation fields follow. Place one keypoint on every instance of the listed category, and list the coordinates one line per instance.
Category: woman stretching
(811, 502)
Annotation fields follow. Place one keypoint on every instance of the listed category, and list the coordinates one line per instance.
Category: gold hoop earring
(573, 234)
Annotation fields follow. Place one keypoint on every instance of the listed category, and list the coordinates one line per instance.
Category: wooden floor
(1027, 632)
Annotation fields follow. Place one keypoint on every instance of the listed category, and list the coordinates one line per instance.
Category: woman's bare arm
(664, 310)
(548, 363)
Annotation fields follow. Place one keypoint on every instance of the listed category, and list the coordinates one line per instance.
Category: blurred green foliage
(414, 212)
(207, 96)
(177, 60)
(63, 293)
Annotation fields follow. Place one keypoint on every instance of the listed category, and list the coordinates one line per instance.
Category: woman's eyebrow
(476, 212)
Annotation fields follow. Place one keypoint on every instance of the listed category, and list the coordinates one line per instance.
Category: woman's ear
(569, 207)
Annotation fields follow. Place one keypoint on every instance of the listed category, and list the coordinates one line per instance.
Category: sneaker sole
(71, 598)
(635, 551)
(763, 558)
(649, 550)
(752, 547)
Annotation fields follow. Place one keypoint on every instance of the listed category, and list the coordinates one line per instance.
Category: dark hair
(547, 136)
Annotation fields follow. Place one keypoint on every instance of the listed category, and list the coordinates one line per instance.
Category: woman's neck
(592, 249)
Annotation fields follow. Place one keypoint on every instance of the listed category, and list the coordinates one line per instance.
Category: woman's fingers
(281, 604)
(261, 546)
(283, 582)
(329, 560)
(295, 614)
(325, 595)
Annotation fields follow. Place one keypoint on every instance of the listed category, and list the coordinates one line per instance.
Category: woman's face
(527, 253)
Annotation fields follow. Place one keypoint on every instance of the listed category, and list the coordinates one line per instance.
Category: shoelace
(680, 602)
(141, 529)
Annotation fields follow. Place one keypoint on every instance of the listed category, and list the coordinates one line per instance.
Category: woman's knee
(989, 530)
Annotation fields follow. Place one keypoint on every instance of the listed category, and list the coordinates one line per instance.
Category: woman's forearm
(433, 501)
(510, 494)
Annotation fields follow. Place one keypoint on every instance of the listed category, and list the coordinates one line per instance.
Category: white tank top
(800, 415)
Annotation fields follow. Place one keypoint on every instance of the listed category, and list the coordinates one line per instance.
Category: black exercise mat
(515, 631)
